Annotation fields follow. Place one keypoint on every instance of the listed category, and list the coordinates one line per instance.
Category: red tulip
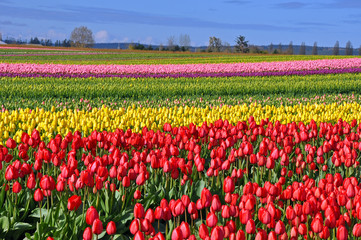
(250, 227)
(74, 202)
(11, 173)
(203, 231)
(87, 235)
(216, 205)
(356, 231)
(10, 143)
(138, 210)
(150, 215)
(342, 233)
(137, 194)
(211, 220)
(240, 235)
(91, 215)
(160, 236)
(31, 182)
(325, 234)
(47, 183)
(280, 228)
(290, 213)
(97, 227)
(16, 187)
(316, 225)
(217, 233)
(38, 195)
(184, 227)
(134, 226)
(111, 228)
(228, 185)
(177, 234)
(139, 236)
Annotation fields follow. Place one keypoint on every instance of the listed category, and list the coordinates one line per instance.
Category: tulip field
(110, 144)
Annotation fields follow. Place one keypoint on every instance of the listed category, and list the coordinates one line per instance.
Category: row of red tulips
(271, 211)
(53, 183)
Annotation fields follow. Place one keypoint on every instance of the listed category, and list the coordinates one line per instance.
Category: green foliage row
(138, 57)
(154, 92)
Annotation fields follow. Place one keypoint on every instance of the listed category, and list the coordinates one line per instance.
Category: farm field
(157, 145)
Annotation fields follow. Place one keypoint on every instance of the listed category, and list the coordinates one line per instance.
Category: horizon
(114, 22)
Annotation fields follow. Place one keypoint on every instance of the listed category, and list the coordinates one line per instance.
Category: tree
(349, 49)
(290, 48)
(280, 48)
(359, 51)
(1, 37)
(34, 40)
(336, 48)
(241, 44)
(82, 37)
(66, 43)
(303, 48)
(215, 44)
(184, 42)
(270, 48)
(171, 43)
(254, 49)
(314, 49)
(226, 47)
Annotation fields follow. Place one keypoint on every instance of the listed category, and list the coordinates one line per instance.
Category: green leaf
(2, 196)
(22, 225)
(4, 224)
(199, 187)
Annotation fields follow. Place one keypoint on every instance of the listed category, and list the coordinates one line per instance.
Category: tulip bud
(97, 227)
(91, 215)
(111, 228)
(38, 195)
(87, 235)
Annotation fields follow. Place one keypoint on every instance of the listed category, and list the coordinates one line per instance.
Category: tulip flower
(211, 220)
(38, 195)
(97, 227)
(87, 234)
(74, 202)
(342, 233)
(111, 228)
(91, 215)
(203, 231)
(16, 187)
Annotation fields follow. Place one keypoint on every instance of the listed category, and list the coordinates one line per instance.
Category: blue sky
(153, 22)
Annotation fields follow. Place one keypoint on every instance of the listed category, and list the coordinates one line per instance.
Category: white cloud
(101, 36)
(52, 34)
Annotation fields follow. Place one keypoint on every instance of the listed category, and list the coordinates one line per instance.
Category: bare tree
(314, 49)
(215, 44)
(226, 47)
(336, 48)
(184, 42)
(82, 37)
(349, 49)
(270, 49)
(290, 49)
(303, 48)
(171, 43)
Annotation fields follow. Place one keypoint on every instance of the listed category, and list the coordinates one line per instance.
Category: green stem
(40, 212)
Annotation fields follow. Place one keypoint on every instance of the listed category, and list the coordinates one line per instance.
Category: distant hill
(296, 48)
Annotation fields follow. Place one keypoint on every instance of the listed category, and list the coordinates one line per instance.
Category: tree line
(83, 37)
